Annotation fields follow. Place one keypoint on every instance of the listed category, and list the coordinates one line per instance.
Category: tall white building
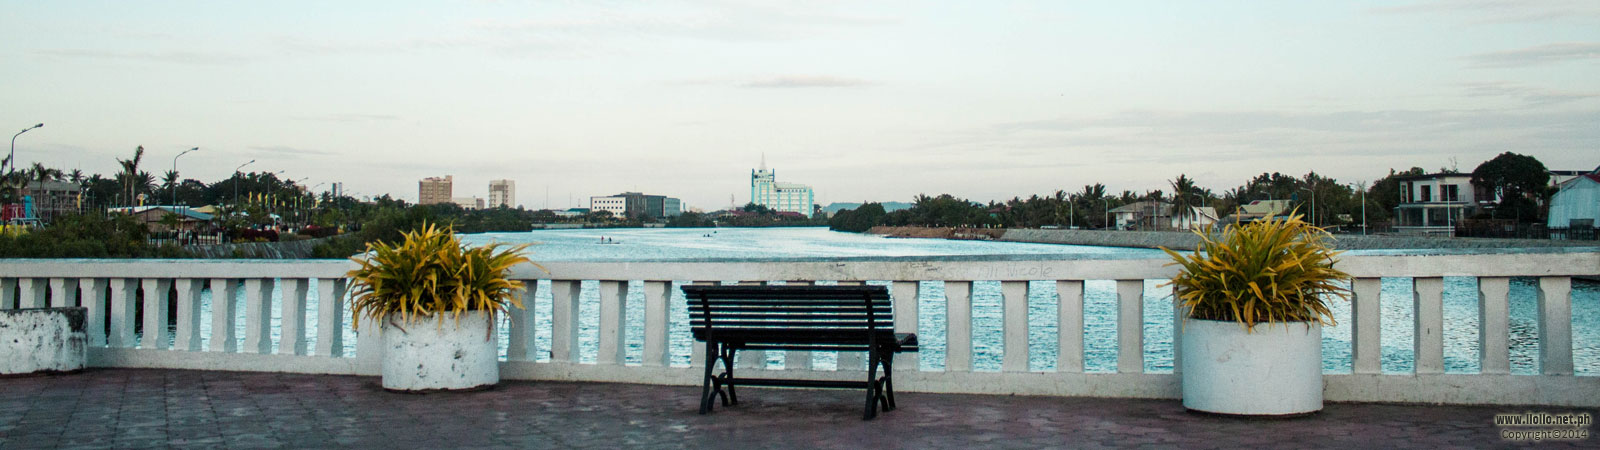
(766, 191)
(502, 193)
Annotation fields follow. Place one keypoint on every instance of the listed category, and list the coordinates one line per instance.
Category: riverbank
(1183, 240)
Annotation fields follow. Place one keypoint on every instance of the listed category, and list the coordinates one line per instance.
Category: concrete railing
(117, 292)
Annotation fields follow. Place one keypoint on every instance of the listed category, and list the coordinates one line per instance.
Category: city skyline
(877, 101)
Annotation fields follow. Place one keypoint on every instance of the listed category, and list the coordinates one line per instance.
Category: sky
(862, 100)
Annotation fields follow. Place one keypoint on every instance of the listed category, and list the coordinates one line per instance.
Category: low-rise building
(1434, 203)
(637, 205)
(468, 202)
(1577, 204)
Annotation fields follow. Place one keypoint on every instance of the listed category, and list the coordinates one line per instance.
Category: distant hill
(887, 207)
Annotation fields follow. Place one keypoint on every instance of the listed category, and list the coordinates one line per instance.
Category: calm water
(1460, 301)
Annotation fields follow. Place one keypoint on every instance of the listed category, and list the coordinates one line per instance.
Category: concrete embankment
(1183, 240)
(258, 250)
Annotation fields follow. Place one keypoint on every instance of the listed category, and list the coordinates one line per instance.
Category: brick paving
(129, 408)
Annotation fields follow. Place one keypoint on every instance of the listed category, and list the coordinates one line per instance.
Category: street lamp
(175, 181)
(13, 158)
(1313, 205)
(236, 182)
(1107, 203)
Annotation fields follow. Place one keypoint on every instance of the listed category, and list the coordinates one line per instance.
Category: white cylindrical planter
(434, 353)
(1275, 370)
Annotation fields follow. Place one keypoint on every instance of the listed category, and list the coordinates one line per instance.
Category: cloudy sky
(863, 100)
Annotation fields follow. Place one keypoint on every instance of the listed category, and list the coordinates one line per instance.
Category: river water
(1460, 301)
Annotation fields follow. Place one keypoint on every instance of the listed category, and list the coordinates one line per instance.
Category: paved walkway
(172, 408)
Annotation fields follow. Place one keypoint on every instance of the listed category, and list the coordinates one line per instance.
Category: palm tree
(170, 182)
(43, 174)
(76, 176)
(130, 174)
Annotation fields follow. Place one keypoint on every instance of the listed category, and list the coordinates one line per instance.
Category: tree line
(1520, 182)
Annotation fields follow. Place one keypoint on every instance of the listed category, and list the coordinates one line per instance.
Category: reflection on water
(1100, 311)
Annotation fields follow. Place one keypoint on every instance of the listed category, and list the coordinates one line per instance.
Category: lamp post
(1313, 205)
(176, 182)
(13, 158)
(236, 182)
(1107, 203)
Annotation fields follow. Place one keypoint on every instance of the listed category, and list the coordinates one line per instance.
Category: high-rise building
(336, 189)
(765, 190)
(434, 190)
(636, 204)
(502, 193)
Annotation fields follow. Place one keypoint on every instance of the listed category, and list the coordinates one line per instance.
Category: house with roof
(153, 217)
(1577, 204)
(1259, 210)
(1434, 203)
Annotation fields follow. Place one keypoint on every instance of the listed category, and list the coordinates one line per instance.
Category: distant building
(51, 199)
(468, 202)
(571, 212)
(637, 204)
(1434, 203)
(1577, 204)
(1560, 177)
(336, 189)
(766, 191)
(152, 216)
(1144, 215)
(435, 190)
(502, 193)
(1259, 210)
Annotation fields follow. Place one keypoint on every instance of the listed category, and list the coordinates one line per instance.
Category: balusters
(1366, 350)
(564, 324)
(905, 295)
(1555, 325)
(8, 293)
(155, 312)
(1493, 325)
(223, 310)
(1179, 313)
(258, 315)
(1014, 326)
(330, 316)
(292, 337)
(656, 294)
(188, 300)
(1130, 326)
(63, 292)
(613, 312)
(1428, 337)
(33, 293)
(958, 326)
(1069, 339)
(94, 298)
(124, 292)
(519, 333)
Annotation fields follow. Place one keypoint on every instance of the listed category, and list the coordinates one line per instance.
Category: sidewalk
(129, 408)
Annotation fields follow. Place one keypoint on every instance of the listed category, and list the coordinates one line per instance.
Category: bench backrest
(765, 315)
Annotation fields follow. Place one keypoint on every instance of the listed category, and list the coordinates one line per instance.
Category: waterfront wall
(1184, 240)
(260, 250)
(274, 300)
(42, 340)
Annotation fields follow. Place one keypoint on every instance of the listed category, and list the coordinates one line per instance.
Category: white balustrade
(124, 293)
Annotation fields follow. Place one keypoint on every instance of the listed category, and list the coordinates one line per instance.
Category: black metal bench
(796, 318)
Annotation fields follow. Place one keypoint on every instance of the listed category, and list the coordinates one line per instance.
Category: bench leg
(730, 397)
(706, 393)
(888, 382)
(872, 386)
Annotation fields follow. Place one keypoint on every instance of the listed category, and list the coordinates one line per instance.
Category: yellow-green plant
(1268, 271)
(430, 272)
